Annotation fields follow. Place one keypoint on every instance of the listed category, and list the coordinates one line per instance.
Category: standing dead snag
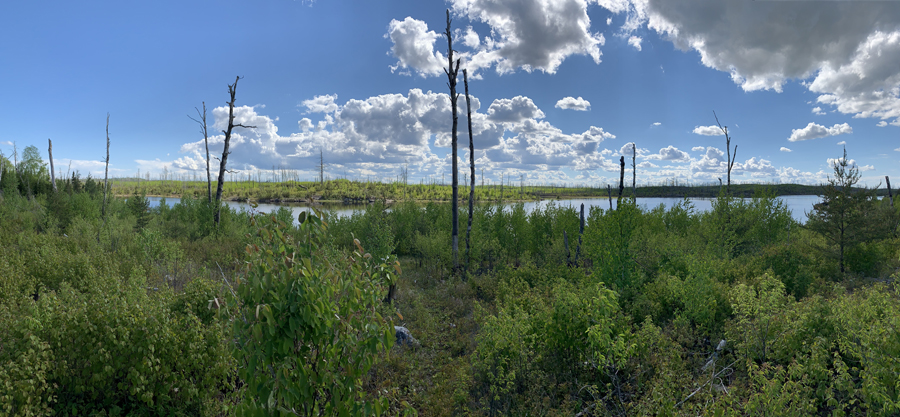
(202, 123)
(106, 171)
(232, 88)
(52, 171)
(621, 180)
(451, 82)
(890, 193)
(471, 164)
(730, 161)
(633, 170)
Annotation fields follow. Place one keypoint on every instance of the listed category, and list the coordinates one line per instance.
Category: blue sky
(561, 87)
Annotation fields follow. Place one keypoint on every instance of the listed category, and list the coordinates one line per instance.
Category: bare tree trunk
(232, 89)
(609, 194)
(52, 171)
(729, 162)
(621, 180)
(471, 166)
(890, 193)
(451, 82)
(106, 171)
(202, 123)
(580, 233)
(633, 171)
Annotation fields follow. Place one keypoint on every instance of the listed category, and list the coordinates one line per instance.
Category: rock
(404, 337)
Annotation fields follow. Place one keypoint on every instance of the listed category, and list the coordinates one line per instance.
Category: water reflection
(797, 204)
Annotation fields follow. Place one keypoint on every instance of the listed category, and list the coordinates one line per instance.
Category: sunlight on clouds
(815, 131)
(708, 131)
(571, 103)
(414, 47)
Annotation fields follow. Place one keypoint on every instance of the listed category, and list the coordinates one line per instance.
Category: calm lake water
(797, 204)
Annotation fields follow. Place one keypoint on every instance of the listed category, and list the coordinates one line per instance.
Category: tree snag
(633, 170)
(729, 162)
(471, 164)
(202, 123)
(451, 82)
(52, 171)
(106, 171)
(232, 89)
(621, 180)
(890, 193)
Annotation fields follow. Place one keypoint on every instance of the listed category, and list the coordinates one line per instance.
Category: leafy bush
(305, 323)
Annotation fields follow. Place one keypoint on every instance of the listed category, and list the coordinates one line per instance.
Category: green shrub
(305, 323)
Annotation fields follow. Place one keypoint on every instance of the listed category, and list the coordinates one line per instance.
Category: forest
(109, 307)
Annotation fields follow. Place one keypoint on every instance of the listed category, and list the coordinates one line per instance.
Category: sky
(560, 89)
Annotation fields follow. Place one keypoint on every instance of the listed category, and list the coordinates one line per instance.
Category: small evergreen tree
(847, 217)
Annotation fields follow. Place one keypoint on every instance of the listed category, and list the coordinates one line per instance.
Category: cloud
(697, 148)
(865, 168)
(882, 124)
(843, 142)
(513, 110)
(783, 149)
(414, 47)
(670, 153)
(320, 104)
(815, 131)
(817, 111)
(635, 41)
(656, 124)
(376, 136)
(471, 39)
(628, 149)
(848, 49)
(708, 131)
(571, 103)
(647, 164)
(531, 34)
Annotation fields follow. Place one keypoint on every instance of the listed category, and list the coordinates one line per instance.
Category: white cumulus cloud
(572, 103)
(708, 131)
(848, 49)
(321, 104)
(414, 47)
(815, 131)
(783, 149)
(670, 153)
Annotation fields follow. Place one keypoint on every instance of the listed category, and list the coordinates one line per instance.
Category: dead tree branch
(202, 123)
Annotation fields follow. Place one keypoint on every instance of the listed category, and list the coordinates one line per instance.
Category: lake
(797, 204)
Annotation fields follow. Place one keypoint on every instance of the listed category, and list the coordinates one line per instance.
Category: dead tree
(890, 193)
(232, 89)
(621, 180)
(321, 166)
(633, 170)
(580, 233)
(609, 194)
(52, 171)
(471, 165)
(106, 171)
(202, 123)
(451, 82)
(729, 162)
